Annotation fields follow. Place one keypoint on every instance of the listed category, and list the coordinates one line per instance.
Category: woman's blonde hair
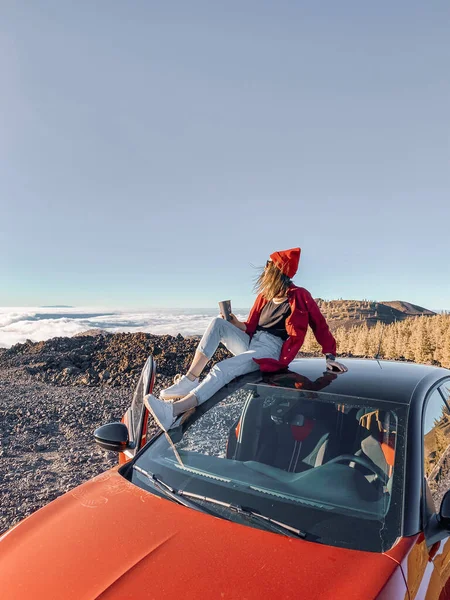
(272, 283)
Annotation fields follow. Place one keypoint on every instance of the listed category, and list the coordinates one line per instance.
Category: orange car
(300, 484)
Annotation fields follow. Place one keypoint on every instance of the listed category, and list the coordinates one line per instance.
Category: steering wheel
(364, 462)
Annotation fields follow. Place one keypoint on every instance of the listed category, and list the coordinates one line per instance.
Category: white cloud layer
(37, 324)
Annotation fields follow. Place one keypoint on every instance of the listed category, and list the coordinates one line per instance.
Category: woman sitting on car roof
(270, 339)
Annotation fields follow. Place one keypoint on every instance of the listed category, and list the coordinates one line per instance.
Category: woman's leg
(219, 330)
(184, 404)
(221, 374)
(262, 345)
(197, 365)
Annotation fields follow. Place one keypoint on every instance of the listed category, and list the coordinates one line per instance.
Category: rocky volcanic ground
(54, 394)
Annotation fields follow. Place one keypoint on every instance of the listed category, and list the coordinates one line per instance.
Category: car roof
(391, 381)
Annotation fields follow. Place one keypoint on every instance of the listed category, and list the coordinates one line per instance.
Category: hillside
(408, 309)
(348, 313)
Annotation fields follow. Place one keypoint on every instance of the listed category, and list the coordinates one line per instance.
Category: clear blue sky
(152, 151)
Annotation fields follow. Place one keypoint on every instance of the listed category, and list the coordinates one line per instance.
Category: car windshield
(328, 465)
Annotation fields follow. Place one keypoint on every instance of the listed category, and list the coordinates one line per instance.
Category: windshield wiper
(181, 496)
(172, 493)
(256, 517)
(271, 524)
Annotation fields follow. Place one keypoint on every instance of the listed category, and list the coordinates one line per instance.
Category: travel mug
(225, 309)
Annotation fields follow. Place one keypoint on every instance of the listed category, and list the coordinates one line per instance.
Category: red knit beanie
(287, 261)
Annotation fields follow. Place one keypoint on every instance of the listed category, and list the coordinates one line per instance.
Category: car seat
(375, 439)
(302, 440)
(289, 435)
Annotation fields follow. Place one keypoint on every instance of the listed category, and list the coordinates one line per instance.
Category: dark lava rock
(55, 393)
(101, 359)
(105, 375)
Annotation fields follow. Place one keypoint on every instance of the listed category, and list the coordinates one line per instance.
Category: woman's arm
(319, 325)
(323, 335)
(253, 318)
(249, 326)
(334, 365)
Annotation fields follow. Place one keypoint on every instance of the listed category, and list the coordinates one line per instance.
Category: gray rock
(105, 375)
(72, 370)
(46, 408)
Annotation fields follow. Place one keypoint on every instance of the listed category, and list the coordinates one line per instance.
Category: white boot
(180, 388)
(161, 411)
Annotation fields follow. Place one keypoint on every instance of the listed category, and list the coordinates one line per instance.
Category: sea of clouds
(18, 324)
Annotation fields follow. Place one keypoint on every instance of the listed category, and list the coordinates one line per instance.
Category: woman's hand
(235, 321)
(334, 365)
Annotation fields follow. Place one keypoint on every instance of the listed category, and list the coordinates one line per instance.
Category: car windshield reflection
(329, 465)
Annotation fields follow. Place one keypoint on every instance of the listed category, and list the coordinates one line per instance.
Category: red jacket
(304, 312)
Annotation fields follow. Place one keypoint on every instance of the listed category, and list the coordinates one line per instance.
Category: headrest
(280, 412)
(380, 421)
(287, 410)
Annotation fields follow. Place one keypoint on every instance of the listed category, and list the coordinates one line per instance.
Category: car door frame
(437, 579)
(427, 510)
(136, 416)
(413, 485)
(413, 553)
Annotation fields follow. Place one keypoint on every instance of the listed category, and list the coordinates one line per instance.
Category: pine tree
(376, 340)
(412, 343)
(361, 341)
(446, 350)
(422, 339)
(390, 340)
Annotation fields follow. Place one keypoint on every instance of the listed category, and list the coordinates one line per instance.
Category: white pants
(262, 345)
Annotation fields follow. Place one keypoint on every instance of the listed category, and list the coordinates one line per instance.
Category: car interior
(297, 436)
(293, 445)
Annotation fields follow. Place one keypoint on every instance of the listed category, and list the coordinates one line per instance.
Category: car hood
(110, 539)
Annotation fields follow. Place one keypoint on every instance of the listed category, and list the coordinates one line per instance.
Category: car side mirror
(444, 511)
(113, 436)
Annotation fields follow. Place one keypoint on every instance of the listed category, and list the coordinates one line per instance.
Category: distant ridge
(57, 306)
(348, 313)
(92, 333)
(409, 309)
